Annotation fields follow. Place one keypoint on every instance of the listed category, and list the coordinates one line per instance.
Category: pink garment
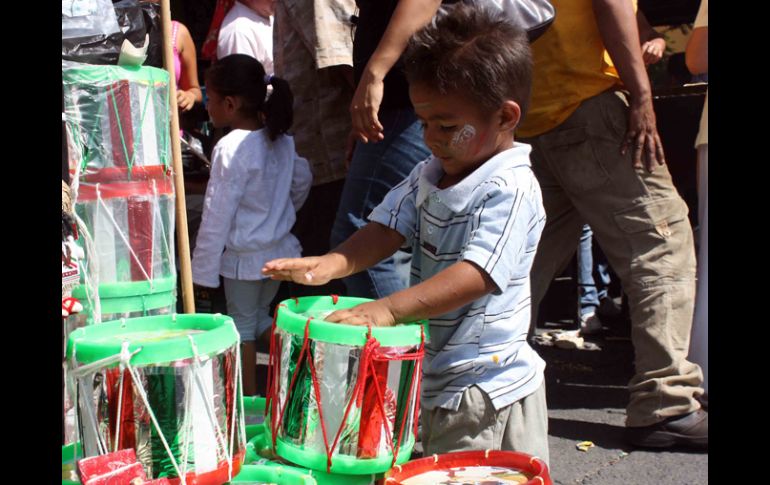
(177, 56)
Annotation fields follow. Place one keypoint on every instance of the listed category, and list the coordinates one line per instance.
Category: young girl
(257, 184)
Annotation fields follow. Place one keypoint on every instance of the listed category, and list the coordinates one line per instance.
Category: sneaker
(608, 308)
(590, 323)
(688, 430)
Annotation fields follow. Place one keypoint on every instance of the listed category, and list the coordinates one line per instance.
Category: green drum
(168, 386)
(342, 399)
(70, 454)
(259, 453)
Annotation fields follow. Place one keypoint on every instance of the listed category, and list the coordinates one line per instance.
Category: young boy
(472, 215)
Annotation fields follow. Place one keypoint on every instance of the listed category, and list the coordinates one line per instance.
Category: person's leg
(242, 306)
(266, 291)
(641, 222)
(526, 429)
(699, 351)
(560, 234)
(476, 425)
(588, 297)
(374, 170)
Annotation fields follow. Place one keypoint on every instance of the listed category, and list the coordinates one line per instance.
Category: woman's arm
(188, 91)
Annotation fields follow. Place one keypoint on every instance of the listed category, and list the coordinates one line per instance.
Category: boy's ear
(510, 114)
(232, 103)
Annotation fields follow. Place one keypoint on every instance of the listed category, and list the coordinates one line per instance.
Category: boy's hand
(311, 271)
(375, 313)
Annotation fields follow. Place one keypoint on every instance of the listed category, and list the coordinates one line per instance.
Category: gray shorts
(248, 303)
(476, 425)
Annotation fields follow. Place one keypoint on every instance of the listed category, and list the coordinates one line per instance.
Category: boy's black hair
(243, 76)
(474, 51)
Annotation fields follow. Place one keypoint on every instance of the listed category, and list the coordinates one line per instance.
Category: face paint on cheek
(462, 138)
(479, 143)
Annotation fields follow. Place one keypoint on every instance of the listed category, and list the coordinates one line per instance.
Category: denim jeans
(591, 290)
(374, 170)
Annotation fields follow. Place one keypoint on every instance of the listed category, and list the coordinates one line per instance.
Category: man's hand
(652, 50)
(376, 313)
(311, 271)
(365, 106)
(642, 136)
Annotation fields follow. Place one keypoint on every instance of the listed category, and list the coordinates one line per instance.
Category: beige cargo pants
(641, 224)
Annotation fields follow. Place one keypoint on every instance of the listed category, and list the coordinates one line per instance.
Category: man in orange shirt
(599, 160)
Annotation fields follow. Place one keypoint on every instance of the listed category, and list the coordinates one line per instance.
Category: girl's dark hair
(243, 76)
(471, 49)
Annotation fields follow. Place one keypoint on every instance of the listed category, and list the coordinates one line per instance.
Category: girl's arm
(224, 191)
(301, 181)
(190, 90)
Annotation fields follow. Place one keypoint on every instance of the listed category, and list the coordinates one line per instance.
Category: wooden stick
(182, 237)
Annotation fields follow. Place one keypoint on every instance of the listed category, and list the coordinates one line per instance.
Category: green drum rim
(260, 441)
(69, 454)
(346, 465)
(138, 303)
(88, 73)
(290, 319)
(254, 405)
(95, 342)
(273, 473)
(128, 288)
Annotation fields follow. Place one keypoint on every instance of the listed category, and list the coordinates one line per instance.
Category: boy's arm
(449, 289)
(365, 248)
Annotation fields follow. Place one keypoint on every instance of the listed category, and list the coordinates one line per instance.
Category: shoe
(608, 308)
(590, 324)
(690, 430)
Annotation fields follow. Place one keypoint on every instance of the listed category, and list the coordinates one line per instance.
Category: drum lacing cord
(417, 370)
(237, 391)
(125, 358)
(120, 233)
(366, 364)
(207, 400)
(90, 267)
(272, 381)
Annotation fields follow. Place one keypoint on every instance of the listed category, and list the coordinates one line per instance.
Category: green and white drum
(168, 386)
(342, 399)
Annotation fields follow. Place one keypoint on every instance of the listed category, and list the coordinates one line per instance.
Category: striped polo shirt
(493, 218)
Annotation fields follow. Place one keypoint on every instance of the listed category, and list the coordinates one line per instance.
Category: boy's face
(458, 132)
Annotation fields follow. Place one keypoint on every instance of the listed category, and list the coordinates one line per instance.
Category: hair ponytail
(243, 76)
(279, 107)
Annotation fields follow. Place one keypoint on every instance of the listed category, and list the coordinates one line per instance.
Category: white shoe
(590, 323)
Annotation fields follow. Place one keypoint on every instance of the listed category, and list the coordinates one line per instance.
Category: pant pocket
(660, 238)
(573, 159)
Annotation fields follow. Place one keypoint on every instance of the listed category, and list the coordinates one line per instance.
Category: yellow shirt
(570, 66)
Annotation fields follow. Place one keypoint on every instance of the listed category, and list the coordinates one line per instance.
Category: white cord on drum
(207, 404)
(120, 233)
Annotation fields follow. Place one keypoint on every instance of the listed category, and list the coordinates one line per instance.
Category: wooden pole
(182, 237)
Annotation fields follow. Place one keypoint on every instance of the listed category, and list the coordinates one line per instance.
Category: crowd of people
(445, 166)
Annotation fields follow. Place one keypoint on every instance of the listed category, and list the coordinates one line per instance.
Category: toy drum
(168, 386)
(128, 230)
(259, 453)
(342, 398)
(117, 117)
(492, 467)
